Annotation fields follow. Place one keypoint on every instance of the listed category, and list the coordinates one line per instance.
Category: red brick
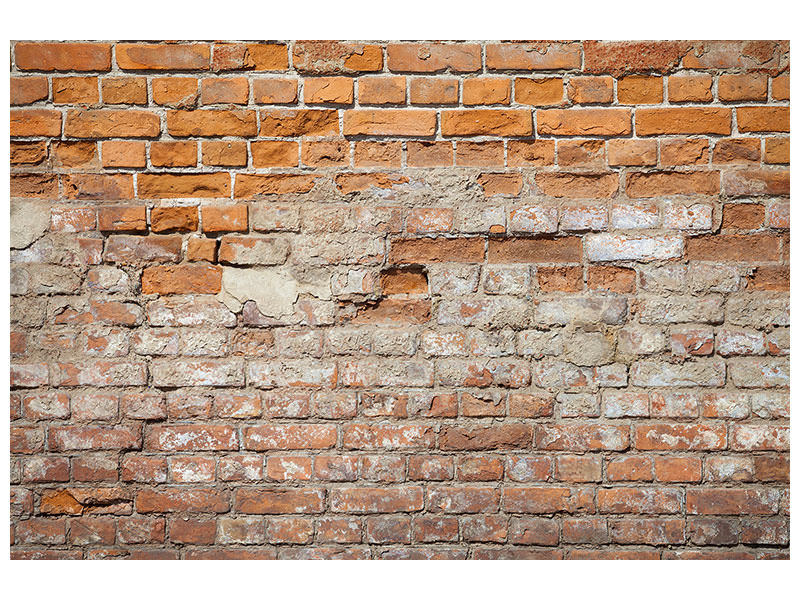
(336, 57)
(35, 56)
(689, 120)
(124, 90)
(382, 90)
(486, 122)
(35, 122)
(286, 122)
(540, 56)
(762, 118)
(433, 90)
(229, 90)
(211, 123)
(328, 90)
(585, 121)
(405, 122)
(27, 90)
(432, 58)
(162, 57)
(181, 280)
(247, 57)
(224, 218)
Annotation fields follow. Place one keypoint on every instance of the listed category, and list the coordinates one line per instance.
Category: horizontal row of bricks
(216, 219)
(289, 122)
(669, 152)
(525, 531)
(318, 57)
(734, 183)
(714, 468)
(752, 500)
(429, 552)
(580, 437)
(397, 90)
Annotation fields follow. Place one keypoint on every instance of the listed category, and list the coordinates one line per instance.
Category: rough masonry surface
(405, 300)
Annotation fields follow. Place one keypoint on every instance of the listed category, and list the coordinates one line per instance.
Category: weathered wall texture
(400, 300)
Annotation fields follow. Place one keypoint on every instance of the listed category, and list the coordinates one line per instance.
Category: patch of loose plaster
(274, 290)
(29, 221)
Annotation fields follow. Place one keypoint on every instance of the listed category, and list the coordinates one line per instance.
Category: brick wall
(400, 300)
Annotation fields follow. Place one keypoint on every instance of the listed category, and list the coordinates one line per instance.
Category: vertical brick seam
(400, 300)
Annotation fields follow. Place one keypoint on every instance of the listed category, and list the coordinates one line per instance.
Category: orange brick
(745, 86)
(537, 153)
(162, 57)
(683, 151)
(582, 153)
(75, 90)
(433, 58)
(743, 216)
(640, 89)
(27, 90)
(541, 56)
(620, 280)
(124, 90)
(34, 56)
(382, 90)
(690, 88)
(494, 184)
(486, 90)
(405, 122)
(689, 120)
(321, 58)
(175, 92)
(326, 154)
(289, 122)
(111, 123)
(479, 154)
(560, 279)
(776, 150)
(486, 122)
(35, 122)
(199, 249)
(780, 87)
(74, 154)
(225, 154)
(224, 218)
(429, 154)
(433, 90)
(211, 123)
(590, 90)
(669, 468)
(632, 152)
(173, 154)
(28, 153)
(737, 151)
(584, 121)
(250, 57)
(184, 185)
(122, 218)
(274, 154)
(539, 92)
(233, 90)
(173, 218)
(762, 118)
(275, 91)
(182, 279)
(328, 90)
(124, 154)
(377, 154)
